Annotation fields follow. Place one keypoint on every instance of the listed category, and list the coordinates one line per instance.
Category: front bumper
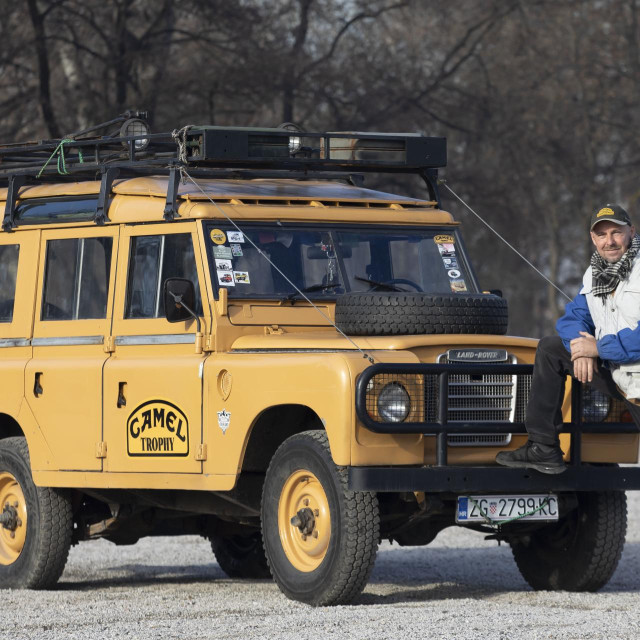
(460, 480)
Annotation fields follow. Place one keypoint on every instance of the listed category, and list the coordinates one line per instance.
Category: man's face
(612, 240)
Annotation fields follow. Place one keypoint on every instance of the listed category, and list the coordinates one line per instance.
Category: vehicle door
(63, 380)
(18, 272)
(153, 382)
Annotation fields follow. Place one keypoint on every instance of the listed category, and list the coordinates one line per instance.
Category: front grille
(481, 398)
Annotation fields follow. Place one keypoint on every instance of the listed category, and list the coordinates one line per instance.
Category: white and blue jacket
(614, 321)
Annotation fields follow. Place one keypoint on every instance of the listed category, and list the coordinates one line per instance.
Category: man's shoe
(533, 455)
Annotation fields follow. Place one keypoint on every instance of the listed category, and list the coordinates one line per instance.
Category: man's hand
(584, 347)
(583, 368)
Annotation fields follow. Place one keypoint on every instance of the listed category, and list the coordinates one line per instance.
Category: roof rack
(208, 151)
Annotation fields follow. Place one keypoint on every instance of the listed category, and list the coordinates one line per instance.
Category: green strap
(62, 164)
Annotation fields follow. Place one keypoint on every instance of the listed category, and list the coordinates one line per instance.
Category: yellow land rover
(222, 332)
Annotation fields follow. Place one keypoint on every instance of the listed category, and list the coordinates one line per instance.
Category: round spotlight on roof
(136, 127)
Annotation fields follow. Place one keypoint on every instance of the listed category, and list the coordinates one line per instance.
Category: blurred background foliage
(539, 99)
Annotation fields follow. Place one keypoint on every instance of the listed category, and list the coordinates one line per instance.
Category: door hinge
(109, 344)
(101, 449)
(201, 452)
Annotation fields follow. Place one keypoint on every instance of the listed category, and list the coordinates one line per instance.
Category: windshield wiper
(375, 283)
(313, 287)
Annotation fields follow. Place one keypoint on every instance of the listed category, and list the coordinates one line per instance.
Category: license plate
(500, 508)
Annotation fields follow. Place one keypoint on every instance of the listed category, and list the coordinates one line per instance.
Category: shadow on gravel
(141, 575)
(426, 574)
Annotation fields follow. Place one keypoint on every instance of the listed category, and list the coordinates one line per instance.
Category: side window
(8, 273)
(153, 259)
(76, 281)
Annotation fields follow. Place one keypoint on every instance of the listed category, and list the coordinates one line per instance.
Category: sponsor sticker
(444, 238)
(224, 265)
(218, 236)
(225, 278)
(452, 273)
(235, 236)
(236, 250)
(224, 419)
(450, 263)
(458, 286)
(241, 276)
(222, 252)
(157, 428)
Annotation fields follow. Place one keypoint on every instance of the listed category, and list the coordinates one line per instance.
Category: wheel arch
(9, 427)
(271, 428)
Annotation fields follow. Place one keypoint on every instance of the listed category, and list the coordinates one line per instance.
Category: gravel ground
(459, 587)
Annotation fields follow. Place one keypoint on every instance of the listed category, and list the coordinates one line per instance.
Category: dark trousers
(552, 365)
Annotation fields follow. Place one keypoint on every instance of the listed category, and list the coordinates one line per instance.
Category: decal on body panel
(224, 418)
(157, 428)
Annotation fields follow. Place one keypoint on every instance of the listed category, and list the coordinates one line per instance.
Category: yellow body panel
(148, 404)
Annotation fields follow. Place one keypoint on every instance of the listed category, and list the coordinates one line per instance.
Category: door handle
(37, 387)
(122, 399)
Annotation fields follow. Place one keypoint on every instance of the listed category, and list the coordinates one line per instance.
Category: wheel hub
(304, 520)
(13, 519)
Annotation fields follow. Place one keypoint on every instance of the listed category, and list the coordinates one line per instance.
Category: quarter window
(8, 273)
(76, 281)
(153, 259)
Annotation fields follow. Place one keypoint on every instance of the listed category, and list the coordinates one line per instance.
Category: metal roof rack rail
(209, 151)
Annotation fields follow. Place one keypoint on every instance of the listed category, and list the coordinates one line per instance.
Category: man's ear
(593, 237)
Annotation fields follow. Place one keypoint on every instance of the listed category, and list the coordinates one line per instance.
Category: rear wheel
(581, 551)
(241, 556)
(37, 523)
(320, 538)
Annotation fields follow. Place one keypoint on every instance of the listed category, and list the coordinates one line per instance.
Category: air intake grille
(480, 398)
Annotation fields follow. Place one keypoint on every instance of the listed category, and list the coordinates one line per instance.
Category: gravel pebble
(459, 587)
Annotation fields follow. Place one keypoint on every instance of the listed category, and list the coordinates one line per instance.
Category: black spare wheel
(394, 313)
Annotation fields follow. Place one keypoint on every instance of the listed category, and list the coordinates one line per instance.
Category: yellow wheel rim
(12, 538)
(305, 542)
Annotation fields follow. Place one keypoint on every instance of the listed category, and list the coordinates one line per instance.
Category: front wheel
(320, 538)
(581, 551)
(36, 523)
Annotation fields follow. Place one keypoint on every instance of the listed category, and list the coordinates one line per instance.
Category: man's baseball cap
(612, 213)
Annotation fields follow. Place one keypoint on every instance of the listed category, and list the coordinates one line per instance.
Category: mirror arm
(178, 300)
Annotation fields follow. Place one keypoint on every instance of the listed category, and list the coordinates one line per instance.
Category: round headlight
(595, 405)
(394, 403)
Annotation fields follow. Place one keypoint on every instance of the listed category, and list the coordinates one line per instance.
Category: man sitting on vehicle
(598, 343)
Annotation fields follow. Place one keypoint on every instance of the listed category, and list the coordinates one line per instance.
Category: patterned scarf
(607, 275)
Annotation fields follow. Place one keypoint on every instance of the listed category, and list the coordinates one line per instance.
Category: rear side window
(76, 283)
(153, 259)
(8, 273)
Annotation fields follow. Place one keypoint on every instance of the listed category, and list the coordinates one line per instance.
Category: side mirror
(179, 299)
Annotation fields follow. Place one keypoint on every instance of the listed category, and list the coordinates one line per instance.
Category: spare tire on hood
(396, 313)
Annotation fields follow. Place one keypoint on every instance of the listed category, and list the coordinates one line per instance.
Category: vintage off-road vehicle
(221, 332)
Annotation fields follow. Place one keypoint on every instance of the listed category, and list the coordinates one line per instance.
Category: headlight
(595, 405)
(394, 404)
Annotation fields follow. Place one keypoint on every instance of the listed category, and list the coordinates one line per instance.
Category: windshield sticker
(217, 235)
(447, 250)
(442, 239)
(223, 265)
(458, 286)
(157, 428)
(450, 263)
(236, 250)
(452, 273)
(241, 276)
(224, 419)
(222, 252)
(235, 236)
(225, 278)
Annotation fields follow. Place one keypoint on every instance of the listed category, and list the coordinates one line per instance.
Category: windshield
(324, 263)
